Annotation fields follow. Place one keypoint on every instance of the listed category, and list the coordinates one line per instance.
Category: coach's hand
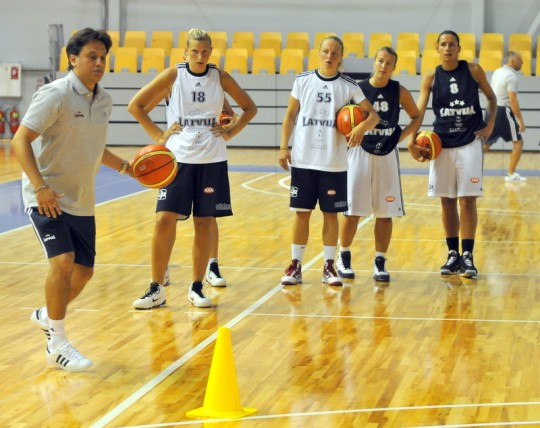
(47, 200)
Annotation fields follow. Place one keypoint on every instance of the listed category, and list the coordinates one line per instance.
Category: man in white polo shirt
(508, 121)
(60, 146)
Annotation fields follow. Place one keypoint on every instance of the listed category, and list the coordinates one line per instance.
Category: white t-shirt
(196, 102)
(504, 80)
(317, 143)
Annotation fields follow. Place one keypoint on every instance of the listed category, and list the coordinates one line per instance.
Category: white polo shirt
(504, 80)
(72, 123)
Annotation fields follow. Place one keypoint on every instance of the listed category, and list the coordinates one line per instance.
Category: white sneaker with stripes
(68, 358)
(40, 322)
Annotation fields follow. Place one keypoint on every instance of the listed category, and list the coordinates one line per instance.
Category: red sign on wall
(14, 72)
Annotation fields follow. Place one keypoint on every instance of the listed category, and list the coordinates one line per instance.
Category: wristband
(43, 186)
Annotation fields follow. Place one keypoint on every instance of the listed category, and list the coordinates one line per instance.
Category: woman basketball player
(456, 174)
(196, 95)
(373, 178)
(319, 154)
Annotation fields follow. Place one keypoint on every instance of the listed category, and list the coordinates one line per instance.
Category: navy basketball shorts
(309, 186)
(65, 234)
(506, 126)
(199, 188)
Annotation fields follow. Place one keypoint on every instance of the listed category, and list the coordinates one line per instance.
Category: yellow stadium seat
(244, 40)
(264, 61)
(292, 61)
(176, 56)
(115, 38)
(63, 60)
(313, 59)
(490, 60)
(182, 40)
(377, 41)
(125, 60)
(430, 60)
(153, 60)
(467, 55)
(406, 62)
(135, 39)
(492, 41)
(162, 39)
(298, 40)
(354, 44)
(409, 36)
(520, 42)
(215, 57)
(319, 37)
(219, 40)
(271, 40)
(430, 40)
(236, 61)
(408, 45)
(467, 41)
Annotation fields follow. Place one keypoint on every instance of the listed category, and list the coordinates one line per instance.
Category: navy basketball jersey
(384, 138)
(456, 106)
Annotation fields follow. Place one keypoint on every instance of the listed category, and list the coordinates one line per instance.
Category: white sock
(379, 254)
(212, 260)
(58, 334)
(329, 252)
(298, 252)
(341, 249)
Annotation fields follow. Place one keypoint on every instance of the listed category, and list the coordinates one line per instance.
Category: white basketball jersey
(196, 102)
(317, 143)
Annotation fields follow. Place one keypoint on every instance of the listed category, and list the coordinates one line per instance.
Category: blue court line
(110, 185)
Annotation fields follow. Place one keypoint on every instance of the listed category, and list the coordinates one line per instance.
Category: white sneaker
(153, 297)
(38, 320)
(196, 296)
(68, 358)
(343, 264)
(213, 276)
(515, 178)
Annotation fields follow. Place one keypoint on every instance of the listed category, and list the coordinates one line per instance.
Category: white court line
(141, 392)
(352, 411)
(246, 185)
(367, 317)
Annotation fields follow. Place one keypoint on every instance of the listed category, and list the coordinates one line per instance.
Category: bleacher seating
(162, 39)
(271, 40)
(153, 60)
(354, 44)
(236, 60)
(377, 41)
(264, 61)
(298, 40)
(135, 39)
(292, 61)
(125, 59)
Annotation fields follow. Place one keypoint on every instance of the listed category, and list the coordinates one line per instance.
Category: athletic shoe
(515, 178)
(379, 271)
(293, 273)
(68, 358)
(196, 296)
(40, 322)
(467, 266)
(153, 297)
(344, 268)
(330, 275)
(213, 276)
(451, 267)
(167, 277)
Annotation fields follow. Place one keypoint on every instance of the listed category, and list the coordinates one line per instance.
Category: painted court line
(367, 317)
(353, 411)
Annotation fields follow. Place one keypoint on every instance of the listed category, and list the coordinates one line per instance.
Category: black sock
(453, 244)
(197, 286)
(467, 245)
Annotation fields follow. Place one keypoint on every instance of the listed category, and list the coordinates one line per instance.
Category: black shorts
(310, 185)
(201, 188)
(506, 126)
(65, 234)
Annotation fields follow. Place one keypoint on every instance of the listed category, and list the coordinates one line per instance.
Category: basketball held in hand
(348, 117)
(155, 166)
(225, 118)
(430, 140)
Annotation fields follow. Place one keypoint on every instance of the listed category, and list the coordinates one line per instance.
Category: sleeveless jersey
(385, 137)
(317, 143)
(456, 106)
(195, 103)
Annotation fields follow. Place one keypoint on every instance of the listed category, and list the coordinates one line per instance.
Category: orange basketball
(155, 166)
(430, 140)
(225, 118)
(348, 117)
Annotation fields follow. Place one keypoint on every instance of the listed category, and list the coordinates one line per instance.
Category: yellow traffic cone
(222, 399)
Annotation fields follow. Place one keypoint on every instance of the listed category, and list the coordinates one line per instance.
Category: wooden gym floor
(422, 351)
